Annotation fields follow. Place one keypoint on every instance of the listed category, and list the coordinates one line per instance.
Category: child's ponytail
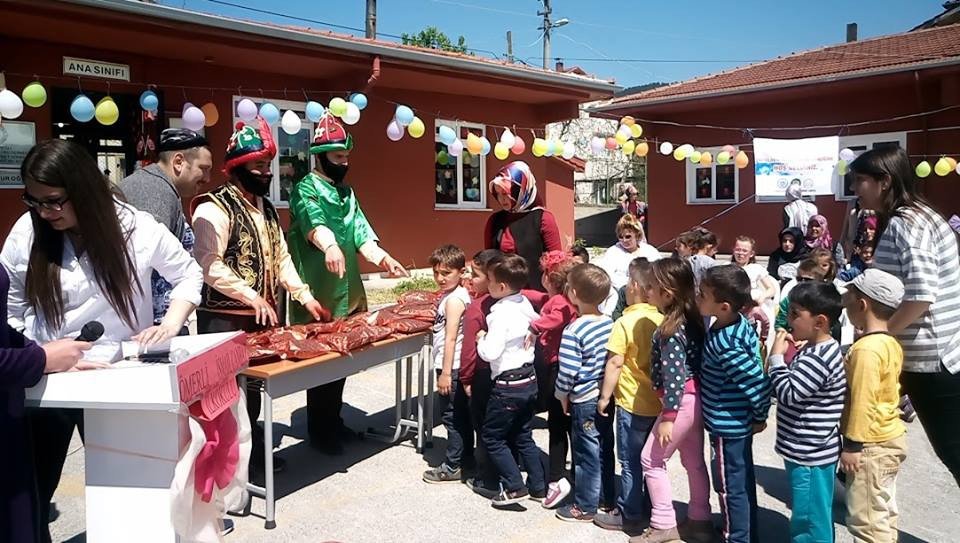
(675, 276)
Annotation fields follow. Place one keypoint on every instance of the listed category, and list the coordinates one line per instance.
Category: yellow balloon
(842, 167)
(474, 144)
(501, 151)
(923, 169)
(416, 127)
(679, 155)
(642, 148)
(705, 158)
(539, 147)
(695, 156)
(636, 130)
(620, 137)
(107, 112)
(629, 147)
(742, 160)
(723, 157)
(210, 113)
(628, 120)
(942, 167)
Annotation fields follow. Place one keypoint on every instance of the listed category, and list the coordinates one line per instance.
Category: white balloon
(11, 106)
(569, 150)
(597, 144)
(352, 116)
(847, 154)
(291, 123)
(455, 148)
(508, 139)
(666, 148)
(625, 130)
(687, 149)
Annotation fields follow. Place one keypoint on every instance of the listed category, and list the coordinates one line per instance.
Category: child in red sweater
(547, 330)
(474, 371)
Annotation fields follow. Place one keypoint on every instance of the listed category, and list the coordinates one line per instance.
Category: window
(293, 160)
(859, 144)
(459, 181)
(713, 184)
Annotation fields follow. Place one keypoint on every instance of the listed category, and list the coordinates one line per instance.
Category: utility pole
(371, 19)
(548, 25)
(510, 47)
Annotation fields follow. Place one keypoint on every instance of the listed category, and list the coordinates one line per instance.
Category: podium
(135, 428)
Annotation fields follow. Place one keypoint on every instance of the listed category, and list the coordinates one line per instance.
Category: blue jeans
(593, 456)
(455, 416)
(731, 466)
(508, 422)
(811, 489)
(632, 433)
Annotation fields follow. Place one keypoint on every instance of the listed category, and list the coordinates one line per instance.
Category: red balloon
(518, 146)
(611, 143)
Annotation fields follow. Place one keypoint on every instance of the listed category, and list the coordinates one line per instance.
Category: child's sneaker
(506, 497)
(538, 495)
(654, 535)
(614, 520)
(556, 492)
(476, 485)
(906, 409)
(442, 474)
(572, 513)
(698, 531)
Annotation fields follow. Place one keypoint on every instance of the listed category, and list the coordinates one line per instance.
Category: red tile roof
(908, 50)
(576, 163)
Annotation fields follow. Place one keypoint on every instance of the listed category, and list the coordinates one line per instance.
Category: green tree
(433, 38)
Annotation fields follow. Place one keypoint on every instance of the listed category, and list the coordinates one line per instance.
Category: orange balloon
(210, 112)
(628, 120)
(474, 144)
(742, 160)
(705, 158)
(642, 149)
(952, 161)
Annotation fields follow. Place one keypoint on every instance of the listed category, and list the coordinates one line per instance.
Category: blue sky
(717, 35)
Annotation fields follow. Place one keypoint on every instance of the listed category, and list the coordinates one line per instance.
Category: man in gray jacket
(184, 164)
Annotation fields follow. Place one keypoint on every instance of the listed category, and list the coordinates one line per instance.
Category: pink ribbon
(217, 462)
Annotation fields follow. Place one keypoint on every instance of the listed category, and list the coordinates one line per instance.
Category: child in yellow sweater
(874, 444)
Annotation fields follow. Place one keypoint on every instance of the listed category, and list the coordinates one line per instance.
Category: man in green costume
(327, 231)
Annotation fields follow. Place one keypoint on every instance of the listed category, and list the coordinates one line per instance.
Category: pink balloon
(518, 146)
(455, 148)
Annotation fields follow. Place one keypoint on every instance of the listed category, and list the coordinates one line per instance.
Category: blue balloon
(82, 108)
(447, 135)
(314, 111)
(404, 115)
(486, 147)
(149, 100)
(359, 99)
(270, 113)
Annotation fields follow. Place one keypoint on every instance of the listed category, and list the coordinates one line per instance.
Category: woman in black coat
(791, 251)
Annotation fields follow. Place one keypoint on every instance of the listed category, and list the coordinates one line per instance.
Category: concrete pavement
(374, 493)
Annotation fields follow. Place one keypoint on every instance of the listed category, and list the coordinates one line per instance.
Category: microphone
(90, 332)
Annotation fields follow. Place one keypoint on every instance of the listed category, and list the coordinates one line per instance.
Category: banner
(811, 160)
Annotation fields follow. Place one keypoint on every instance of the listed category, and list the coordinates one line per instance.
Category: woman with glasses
(80, 255)
(631, 243)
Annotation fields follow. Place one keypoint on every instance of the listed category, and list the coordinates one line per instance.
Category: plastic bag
(408, 326)
(308, 348)
(419, 297)
(423, 312)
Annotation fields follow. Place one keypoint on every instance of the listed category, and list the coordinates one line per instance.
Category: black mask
(258, 185)
(336, 172)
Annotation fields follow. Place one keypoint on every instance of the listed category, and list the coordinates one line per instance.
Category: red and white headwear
(248, 143)
(517, 181)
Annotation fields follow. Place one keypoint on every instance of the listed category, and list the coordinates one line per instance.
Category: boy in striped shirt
(583, 356)
(735, 396)
(810, 395)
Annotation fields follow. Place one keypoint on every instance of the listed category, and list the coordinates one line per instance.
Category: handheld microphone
(90, 332)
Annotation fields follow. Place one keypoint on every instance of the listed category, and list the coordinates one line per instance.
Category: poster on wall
(16, 139)
(777, 162)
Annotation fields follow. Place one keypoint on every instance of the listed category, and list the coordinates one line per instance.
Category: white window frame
(691, 174)
(461, 204)
(283, 106)
(862, 140)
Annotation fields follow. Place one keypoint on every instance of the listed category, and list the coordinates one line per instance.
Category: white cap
(880, 287)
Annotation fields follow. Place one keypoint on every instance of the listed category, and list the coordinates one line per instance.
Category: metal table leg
(271, 522)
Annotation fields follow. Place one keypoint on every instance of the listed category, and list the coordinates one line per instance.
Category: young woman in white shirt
(80, 255)
(632, 244)
(763, 288)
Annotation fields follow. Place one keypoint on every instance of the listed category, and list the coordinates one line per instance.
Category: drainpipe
(374, 74)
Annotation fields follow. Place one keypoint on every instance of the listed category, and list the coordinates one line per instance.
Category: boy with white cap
(874, 444)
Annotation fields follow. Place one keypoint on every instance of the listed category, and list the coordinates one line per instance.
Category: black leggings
(50, 433)
(558, 426)
(936, 399)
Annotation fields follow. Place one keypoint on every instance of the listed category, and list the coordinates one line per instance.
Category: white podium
(135, 429)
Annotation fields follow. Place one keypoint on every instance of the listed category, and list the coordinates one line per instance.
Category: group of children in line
(681, 358)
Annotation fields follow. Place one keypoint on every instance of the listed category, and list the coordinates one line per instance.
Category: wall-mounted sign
(10, 178)
(16, 139)
(95, 68)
